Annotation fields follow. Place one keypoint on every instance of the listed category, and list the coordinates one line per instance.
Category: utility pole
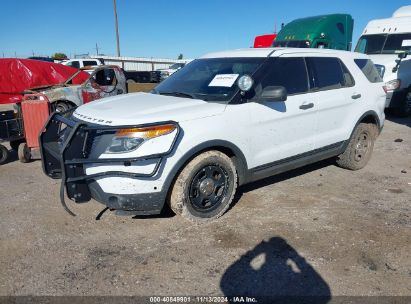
(117, 36)
(96, 48)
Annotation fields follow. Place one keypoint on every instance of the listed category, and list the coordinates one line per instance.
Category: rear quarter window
(368, 69)
(89, 63)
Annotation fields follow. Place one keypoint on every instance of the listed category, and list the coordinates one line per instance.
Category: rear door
(333, 86)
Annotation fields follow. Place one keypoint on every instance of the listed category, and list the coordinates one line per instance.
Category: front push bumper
(65, 146)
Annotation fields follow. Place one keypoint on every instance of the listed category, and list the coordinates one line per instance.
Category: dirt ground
(140, 87)
(319, 230)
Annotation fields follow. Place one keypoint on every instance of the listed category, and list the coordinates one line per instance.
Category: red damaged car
(65, 87)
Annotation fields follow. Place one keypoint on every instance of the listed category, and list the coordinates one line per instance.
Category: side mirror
(401, 56)
(274, 93)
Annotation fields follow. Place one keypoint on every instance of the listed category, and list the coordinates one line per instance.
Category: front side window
(326, 73)
(370, 44)
(74, 64)
(290, 73)
(105, 77)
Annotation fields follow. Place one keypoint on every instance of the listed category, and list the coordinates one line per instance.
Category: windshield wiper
(178, 94)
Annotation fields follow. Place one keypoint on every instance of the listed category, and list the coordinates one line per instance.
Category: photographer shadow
(274, 272)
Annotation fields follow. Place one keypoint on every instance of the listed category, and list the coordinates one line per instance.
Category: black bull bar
(65, 145)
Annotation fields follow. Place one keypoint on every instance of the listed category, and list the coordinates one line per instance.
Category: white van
(388, 41)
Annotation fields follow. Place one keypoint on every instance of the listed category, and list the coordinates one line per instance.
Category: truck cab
(264, 41)
(326, 31)
(388, 43)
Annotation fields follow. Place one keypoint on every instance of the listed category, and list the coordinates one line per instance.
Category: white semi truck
(388, 42)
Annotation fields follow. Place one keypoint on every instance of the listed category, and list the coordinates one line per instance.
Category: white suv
(82, 63)
(225, 120)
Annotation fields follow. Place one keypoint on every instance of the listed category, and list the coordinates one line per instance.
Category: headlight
(393, 84)
(127, 140)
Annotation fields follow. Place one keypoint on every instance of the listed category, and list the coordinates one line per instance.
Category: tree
(59, 56)
(180, 57)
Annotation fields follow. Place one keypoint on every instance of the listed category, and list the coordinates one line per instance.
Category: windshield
(208, 79)
(292, 43)
(384, 44)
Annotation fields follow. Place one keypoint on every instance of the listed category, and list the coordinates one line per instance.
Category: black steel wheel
(205, 187)
(208, 188)
(363, 144)
(359, 149)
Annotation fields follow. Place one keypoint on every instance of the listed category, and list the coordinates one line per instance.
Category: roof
(404, 11)
(311, 27)
(275, 52)
(400, 22)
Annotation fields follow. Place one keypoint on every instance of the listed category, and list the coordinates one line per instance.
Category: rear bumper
(66, 156)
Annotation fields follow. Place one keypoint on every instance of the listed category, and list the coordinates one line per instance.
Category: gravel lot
(317, 230)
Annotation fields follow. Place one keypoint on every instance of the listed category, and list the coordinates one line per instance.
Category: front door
(280, 130)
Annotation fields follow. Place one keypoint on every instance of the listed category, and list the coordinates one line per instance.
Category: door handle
(306, 106)
(356, 96)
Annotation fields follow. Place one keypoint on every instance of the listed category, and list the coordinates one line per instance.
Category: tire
(359, 149)
(24, 153)
(405, 107)
(62, 106)
(15, 144)
(4, 154)
(205, 187)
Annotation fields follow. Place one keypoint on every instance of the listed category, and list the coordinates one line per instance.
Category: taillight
(393, 84)
(385, 89)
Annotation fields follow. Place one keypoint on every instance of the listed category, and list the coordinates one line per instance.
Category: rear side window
(327, 73)
(74, 64)
(89, 63)
(369, 70)
(290, 73)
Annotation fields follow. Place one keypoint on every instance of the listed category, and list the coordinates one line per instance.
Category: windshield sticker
(406, 43)
(223, 80)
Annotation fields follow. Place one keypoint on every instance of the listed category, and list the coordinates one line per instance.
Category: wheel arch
(69, 102)
(226, 147)
(368, 117)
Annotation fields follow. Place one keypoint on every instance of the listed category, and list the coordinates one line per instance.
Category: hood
(141, 108)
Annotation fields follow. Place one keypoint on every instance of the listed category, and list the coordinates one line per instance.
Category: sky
(161, 28)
